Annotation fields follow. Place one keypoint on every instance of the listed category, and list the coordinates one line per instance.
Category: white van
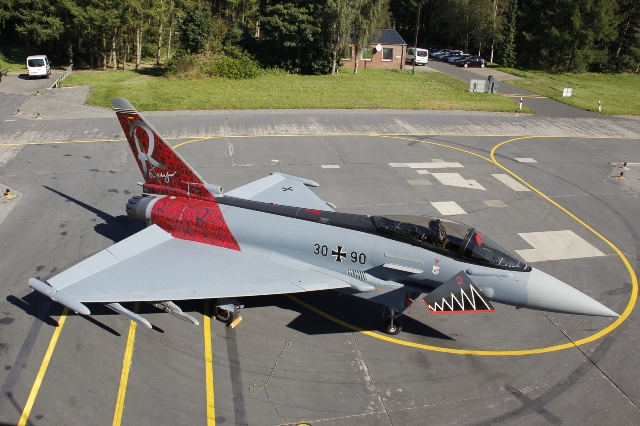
(421, 55)
(38, 66)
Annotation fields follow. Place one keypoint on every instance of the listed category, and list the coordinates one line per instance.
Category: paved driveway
(543, 107)
(21, 84)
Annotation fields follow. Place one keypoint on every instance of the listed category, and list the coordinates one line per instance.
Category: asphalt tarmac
(291, 361)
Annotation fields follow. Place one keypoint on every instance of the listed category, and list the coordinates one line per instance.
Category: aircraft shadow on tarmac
(352, 310)
(115, 228)
(360, 313)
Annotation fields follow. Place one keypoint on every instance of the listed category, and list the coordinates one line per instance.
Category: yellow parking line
(126, 366)
(208, 367)
(43, 369)
(632, 274)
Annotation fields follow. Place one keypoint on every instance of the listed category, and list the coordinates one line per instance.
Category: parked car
(446, 53)
(452, 59)
(421, 56)
(474, 61)
(441, 53)
(38, 66)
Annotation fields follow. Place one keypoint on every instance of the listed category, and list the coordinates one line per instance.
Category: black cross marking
(287, 189)
(339, 254)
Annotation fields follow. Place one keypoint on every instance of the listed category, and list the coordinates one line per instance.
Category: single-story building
(393, 50)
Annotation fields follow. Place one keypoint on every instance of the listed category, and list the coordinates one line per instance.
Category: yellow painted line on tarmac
(126, 366)
(632, 274)
(439, 144)
(28, 406)
(588, 339)
(208, 367)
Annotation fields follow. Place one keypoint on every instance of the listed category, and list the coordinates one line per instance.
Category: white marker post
(599, 106)
(520, 102)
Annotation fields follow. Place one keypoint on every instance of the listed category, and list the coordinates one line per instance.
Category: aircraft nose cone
(547, 293)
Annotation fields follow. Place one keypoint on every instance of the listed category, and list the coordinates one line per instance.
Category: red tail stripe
(193, 220)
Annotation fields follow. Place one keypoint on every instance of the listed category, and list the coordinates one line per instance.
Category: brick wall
(396, 62)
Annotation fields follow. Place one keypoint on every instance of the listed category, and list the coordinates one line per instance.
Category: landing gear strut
(392, 325)
(228, 311)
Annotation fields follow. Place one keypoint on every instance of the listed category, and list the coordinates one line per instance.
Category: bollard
(599, 106)
(520, 102)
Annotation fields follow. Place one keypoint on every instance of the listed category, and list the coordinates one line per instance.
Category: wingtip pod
(547, 293)
(59, 297)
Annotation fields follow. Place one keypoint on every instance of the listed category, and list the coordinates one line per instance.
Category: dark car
(443, 55)
(472, 62)
(452, 59)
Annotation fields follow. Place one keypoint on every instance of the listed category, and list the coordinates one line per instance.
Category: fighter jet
(275, 236)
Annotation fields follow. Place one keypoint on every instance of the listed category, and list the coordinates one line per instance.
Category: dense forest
(237, 37)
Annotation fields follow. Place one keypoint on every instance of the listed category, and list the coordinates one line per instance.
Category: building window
(387, 53)
(367, 53)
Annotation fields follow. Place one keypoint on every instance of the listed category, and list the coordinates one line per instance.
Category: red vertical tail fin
(164, 171)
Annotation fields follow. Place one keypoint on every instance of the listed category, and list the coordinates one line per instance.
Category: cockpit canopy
(450, 238)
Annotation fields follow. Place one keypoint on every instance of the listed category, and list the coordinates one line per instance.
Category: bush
(210, 65)
(234, 68)
(183, 65)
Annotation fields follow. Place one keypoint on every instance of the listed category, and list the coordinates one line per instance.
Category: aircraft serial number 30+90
(339, 254)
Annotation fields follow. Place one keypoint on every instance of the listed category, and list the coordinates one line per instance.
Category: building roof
(390, 36)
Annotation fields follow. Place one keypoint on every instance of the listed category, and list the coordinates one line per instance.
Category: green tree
(39, 21)
(339, 15)
(480, 31)
(573, 35)
(497, 21)
(291, 36)
(196, 29)
(370, 16)
(508, 53)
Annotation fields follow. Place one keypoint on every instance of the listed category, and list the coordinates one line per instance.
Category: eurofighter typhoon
(275, 236)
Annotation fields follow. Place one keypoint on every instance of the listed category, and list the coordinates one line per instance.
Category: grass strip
(619, 93)
(369, 89)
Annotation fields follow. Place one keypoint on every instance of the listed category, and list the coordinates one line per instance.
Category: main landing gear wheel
(392, 328)
(223, 315)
